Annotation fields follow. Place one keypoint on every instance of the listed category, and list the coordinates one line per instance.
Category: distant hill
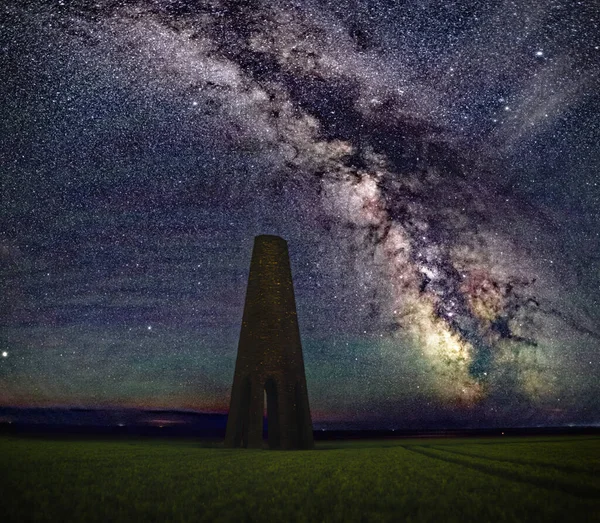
(209, 425)
(112, 421)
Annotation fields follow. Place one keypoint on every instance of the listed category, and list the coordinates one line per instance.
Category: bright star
(4, 354)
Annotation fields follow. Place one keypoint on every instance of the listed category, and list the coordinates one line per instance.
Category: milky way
(434, 167)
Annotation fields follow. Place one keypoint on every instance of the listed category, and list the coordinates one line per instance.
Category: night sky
(434, 167)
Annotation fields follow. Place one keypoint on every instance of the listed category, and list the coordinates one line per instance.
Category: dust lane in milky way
(435, 172)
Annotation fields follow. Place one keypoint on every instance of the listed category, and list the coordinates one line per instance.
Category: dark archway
(273, 421)
(241, 429)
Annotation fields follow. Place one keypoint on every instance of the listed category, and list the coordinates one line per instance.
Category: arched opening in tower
(273, 422)
(241, 430)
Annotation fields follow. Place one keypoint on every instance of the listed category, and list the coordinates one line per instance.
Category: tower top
(269, 238)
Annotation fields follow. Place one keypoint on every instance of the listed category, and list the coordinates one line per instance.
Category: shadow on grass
(532, 463)
(581, 491)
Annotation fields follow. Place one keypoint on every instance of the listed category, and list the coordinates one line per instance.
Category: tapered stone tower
(269, 358)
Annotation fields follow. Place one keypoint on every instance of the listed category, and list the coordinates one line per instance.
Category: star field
(434, 167)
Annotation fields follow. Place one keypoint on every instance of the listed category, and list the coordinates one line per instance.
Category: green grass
(509, 479)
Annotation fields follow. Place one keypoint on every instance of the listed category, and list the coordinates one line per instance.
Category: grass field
(511, 479)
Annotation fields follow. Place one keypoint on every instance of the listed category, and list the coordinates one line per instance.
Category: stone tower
(269, 358)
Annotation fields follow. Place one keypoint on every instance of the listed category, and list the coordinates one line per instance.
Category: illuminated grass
(417, 480)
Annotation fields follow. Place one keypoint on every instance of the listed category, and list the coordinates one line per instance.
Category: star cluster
(433, 166)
